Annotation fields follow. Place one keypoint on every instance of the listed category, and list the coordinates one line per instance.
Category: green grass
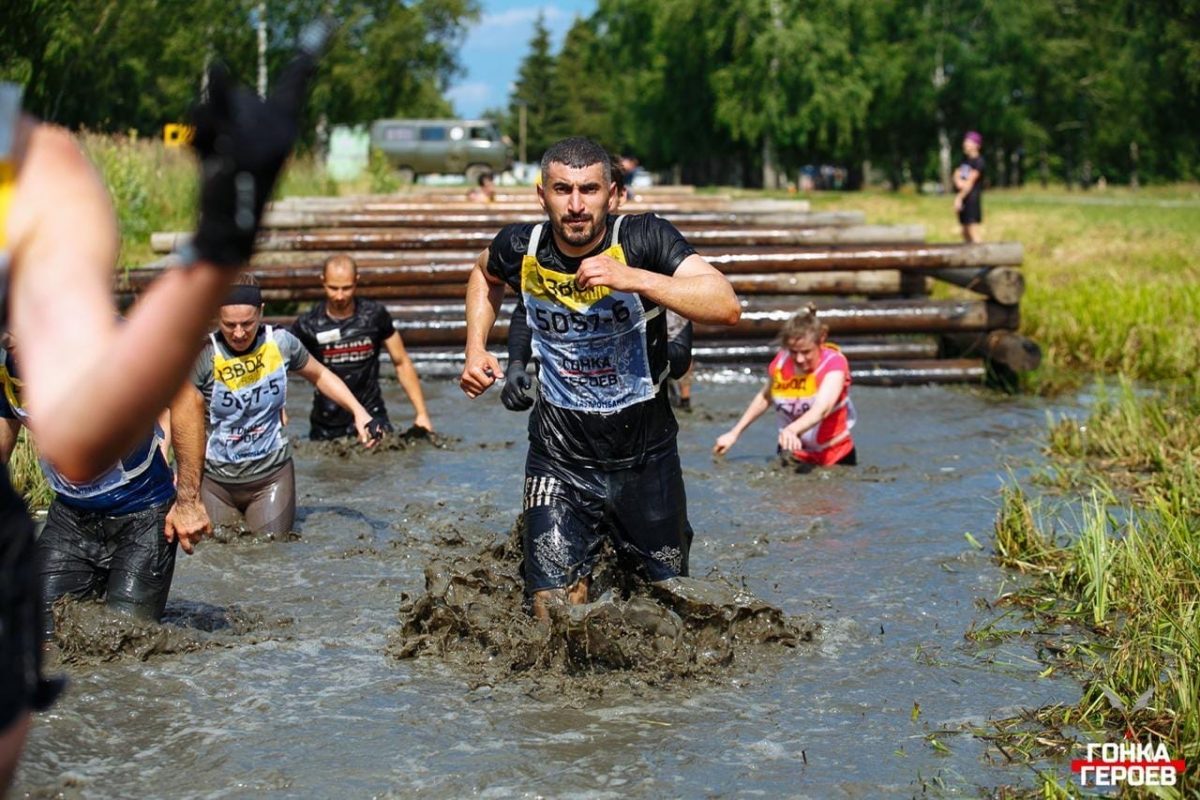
(26, 474)
(155, 188)
(1129, 573)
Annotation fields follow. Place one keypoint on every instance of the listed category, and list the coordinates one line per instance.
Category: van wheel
(474, 171)
(406, 175)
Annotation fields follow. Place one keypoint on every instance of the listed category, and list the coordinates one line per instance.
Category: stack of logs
(871, 283)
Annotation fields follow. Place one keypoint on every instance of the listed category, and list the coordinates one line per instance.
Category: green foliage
(26, 473)
(540, 90)
(717, 88)
(382, 175)
(153, 188)
(137, 64)
(1131, 578)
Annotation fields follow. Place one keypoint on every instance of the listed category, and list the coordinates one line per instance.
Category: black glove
(516, 384)
(242, 142)
(377, 427)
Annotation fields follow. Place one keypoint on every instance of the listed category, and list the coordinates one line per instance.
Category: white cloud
(503, 31)
(523, 17)
(474, 95)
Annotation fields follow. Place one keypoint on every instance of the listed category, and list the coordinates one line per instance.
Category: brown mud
(474, 616)
(239, 534)
(350, 448)
(88, 632)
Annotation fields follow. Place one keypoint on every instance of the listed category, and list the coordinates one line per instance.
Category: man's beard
(577, 237)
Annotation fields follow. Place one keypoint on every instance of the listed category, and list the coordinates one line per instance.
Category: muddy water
(281, 679)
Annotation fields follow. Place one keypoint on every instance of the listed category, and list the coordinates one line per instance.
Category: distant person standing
(968, 186)
(346, 333)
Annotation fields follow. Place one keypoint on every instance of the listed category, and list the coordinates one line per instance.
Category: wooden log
(1007, 348)
(370, 239)
(896, 372)
(905, 373)
(450, 281)
(765, 317)
(494, 220)
(894, 256)
(1005, 285)
(872, 283)
(436, 324)
(757, 353)
(732, 260)
(529, 203)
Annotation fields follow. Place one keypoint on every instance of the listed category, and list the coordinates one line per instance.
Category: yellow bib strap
(8, 182)
(10, 116)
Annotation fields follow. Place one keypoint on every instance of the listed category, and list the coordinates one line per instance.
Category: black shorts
(22, 687)
(569, 509)
(125, 559)
(972, 211)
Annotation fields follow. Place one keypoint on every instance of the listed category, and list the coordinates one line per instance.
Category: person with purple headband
(968, 186)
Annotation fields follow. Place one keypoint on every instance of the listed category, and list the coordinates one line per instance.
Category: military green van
(424, 146)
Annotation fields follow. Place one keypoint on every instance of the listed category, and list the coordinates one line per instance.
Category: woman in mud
(241, 375)
(808, 382)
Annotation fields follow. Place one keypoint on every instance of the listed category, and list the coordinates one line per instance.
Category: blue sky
(496, 44)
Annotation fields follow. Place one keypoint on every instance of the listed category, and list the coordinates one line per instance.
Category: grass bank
(154, 188)
(1114, 585)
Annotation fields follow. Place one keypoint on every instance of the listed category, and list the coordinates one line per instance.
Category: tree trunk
(770, 166)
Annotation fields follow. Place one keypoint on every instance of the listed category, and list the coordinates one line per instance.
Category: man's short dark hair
(484, 177)
(577, 152)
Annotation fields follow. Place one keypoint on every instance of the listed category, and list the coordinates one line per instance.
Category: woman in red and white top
(809, 386)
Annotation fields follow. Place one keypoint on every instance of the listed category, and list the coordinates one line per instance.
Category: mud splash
(350, 448)
(239, 534)
(88, 632)
(473, 615)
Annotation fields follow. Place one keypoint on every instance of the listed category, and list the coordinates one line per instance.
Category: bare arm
(484, 293)
(164, 422)
(406, 374)
(964, 186)
(758, 404)
(9, 430)
(80, 367)
(336, 390)
(826, 398)
(187, 520)
(697, 290)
